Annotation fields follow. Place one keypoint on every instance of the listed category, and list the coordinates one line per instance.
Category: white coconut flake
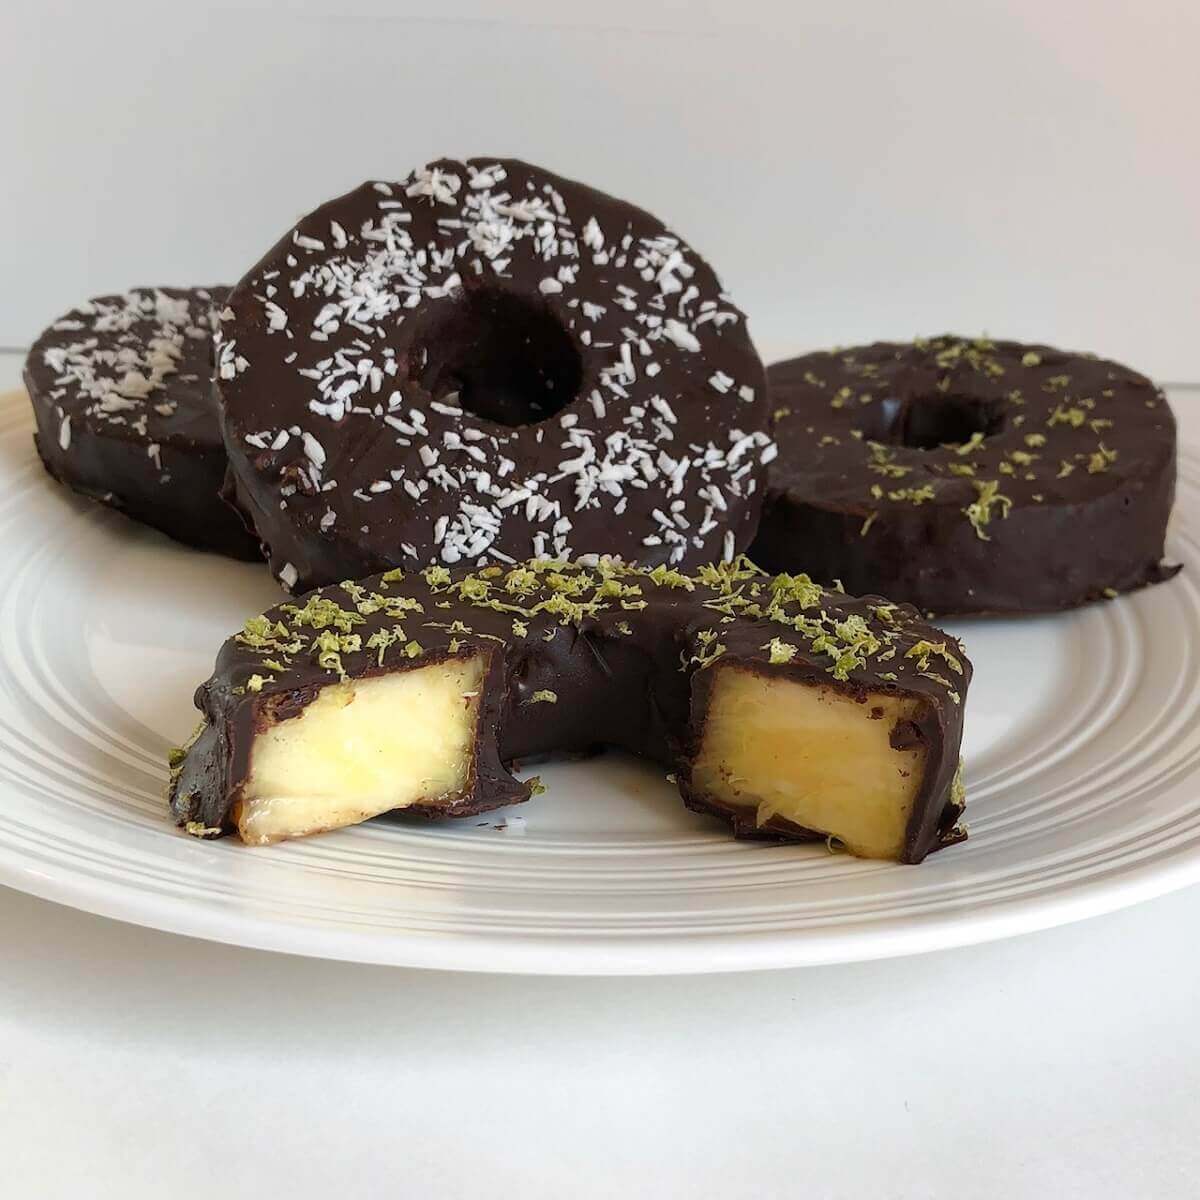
(313, 449)
(679, 333)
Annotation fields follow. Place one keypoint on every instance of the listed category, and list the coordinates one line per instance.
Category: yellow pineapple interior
(362, 748)
(813, 755)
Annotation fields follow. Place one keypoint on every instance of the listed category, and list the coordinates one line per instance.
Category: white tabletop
(136, 1064)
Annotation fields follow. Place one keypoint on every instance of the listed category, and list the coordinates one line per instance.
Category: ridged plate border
(1095, 809)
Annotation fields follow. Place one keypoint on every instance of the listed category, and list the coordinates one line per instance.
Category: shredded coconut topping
(638, 305)
(125, 351)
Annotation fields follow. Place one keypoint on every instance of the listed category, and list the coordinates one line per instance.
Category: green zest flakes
(665, 577)
(881, 461)
(381, 639)
(178, 754)
(543, 696)
(779, 652)
(958, 790)
(850, 644)
(980, 513)
(914, 495)
(710, 649)
(793, 589)
(320, 612)
(328, 647)
(809, 621)
(1066, 416)
(924, 651)
(198, 829)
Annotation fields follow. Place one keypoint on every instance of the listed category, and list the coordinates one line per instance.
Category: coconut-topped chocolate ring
(121, 390)
(482, 363)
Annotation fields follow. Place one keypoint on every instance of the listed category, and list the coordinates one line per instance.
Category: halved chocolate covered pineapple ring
(485, 362)
(788, 711)
(969, 476)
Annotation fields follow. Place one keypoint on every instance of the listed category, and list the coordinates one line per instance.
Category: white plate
(1083, 752)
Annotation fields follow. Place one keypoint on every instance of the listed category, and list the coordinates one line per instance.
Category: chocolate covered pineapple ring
(969, 476)
(122, 394)
(785, 710)
(485, 362)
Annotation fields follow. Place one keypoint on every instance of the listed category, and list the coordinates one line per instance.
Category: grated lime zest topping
(923, 651)
(1101, 460)
(779, 651)
(198, 829)
(811, 617)
(320, 612)
(710, 650)
(979, 513)
(958, 789)
(1072, 416)
(329, 646)
(914, 495)
(382, 639)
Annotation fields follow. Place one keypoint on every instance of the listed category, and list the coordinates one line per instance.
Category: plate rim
(1108, 889)
(703, 954)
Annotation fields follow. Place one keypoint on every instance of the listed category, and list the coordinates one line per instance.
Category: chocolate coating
(485, 362)
(121, 391)
(969, 476)
(627, 653)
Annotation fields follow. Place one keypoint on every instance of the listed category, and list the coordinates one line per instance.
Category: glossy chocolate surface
(969, 476)
(121, 390)
(485, 362)
(627, 656)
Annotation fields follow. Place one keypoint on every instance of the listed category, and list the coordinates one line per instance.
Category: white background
(859, 170)
(854, 171)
